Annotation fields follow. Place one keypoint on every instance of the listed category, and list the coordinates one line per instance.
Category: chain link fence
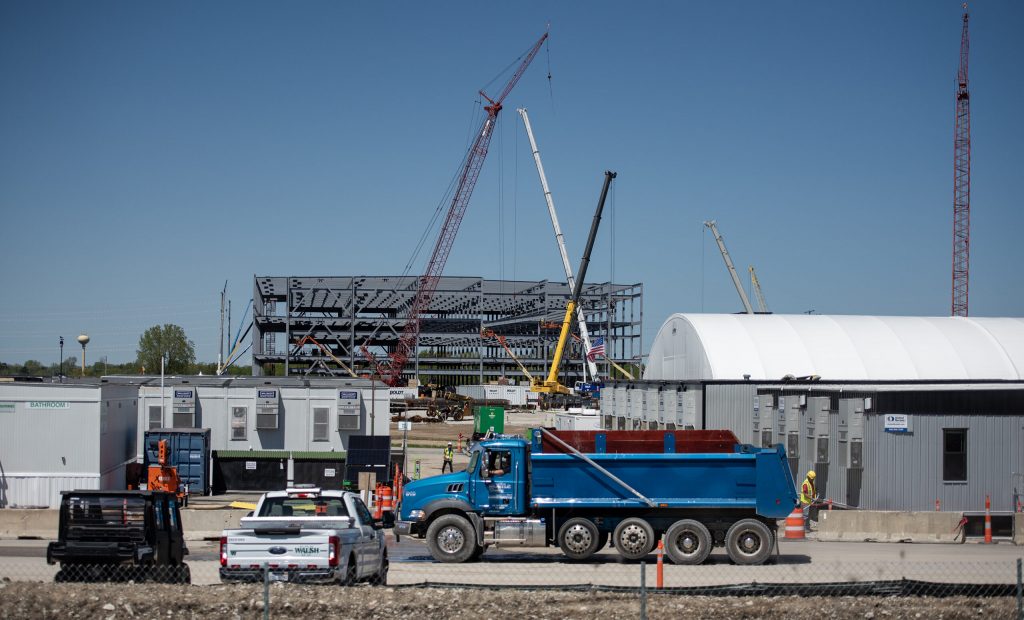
(500, 579)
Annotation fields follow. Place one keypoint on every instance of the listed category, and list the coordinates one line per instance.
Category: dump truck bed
(747, 478)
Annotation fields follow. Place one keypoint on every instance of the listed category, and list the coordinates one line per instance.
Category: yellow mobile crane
(551, 384)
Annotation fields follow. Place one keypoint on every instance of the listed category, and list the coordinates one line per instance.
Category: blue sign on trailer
(188, 451)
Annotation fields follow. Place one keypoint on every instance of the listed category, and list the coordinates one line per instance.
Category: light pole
(83, 340)
(61, 372)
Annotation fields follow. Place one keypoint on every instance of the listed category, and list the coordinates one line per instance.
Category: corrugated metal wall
(906, 470)
(729, 407)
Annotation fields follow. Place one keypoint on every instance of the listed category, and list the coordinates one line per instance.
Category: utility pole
(220, 354)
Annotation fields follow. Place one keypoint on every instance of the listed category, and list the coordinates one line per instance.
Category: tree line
(168, 341)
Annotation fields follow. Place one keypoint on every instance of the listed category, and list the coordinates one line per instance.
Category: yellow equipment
(551, 384)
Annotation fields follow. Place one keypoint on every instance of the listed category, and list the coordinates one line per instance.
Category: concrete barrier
(1018, 528)
(885, 526)
(42, 523)
(201, 524)
(28, 523)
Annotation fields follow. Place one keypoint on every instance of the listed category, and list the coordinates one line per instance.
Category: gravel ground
(114, 601)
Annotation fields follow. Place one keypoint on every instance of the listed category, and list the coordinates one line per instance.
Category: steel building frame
(344, 312)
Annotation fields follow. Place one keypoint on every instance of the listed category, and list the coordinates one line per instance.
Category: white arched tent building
(893, 413)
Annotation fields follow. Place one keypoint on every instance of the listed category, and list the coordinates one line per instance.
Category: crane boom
(559, 238)
(391, 373)
(754, 282)
(488, 333)
(551, 384)
(962, 181)
(728, 265)
(325, 350)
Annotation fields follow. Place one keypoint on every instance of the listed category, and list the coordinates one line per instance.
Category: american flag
(596, 349)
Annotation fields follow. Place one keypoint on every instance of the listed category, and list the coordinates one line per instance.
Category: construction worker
(808, 495)
(449, 455)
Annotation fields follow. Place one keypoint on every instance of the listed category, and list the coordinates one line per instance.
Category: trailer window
(954, 454)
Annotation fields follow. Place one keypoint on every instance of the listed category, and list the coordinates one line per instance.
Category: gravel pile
(118, 601)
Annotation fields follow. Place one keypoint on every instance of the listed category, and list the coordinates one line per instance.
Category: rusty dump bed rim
(641, 442)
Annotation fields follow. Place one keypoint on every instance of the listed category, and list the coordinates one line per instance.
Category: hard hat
(811, 474)
(449, 443)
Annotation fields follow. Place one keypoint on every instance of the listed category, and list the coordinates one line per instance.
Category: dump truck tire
(451, 539)
(748, 541)
(579, 539)
(688, 542)
(634, 538)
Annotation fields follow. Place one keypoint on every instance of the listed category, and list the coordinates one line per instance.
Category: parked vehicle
(119, 534)
(697, 488)
(307, 535)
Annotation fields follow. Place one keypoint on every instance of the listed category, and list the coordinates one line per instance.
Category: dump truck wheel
(634, 538)
(579, 539)
(451, 539)
(748, 541)
(688, 542)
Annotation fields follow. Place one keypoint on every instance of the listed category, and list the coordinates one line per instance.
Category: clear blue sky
(151, 151)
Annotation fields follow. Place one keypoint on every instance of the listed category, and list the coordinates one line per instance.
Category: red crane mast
(962, 182)
(391, 372)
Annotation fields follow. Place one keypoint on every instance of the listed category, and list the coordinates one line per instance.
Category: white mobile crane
(728, 265)
(559, 238)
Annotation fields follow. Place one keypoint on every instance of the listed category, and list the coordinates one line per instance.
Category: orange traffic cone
(795, 524)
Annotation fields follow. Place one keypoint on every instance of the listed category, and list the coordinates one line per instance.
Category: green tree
(169, 340)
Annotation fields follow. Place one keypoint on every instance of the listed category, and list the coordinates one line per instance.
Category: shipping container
(188, 451)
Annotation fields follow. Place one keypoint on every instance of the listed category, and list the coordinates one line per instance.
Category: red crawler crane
(391, 372)
(962, 182)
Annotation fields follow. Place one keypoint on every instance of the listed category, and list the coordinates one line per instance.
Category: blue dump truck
(578, 489)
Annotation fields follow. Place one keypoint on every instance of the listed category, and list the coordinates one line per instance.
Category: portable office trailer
(516, 395)
(257, 424)
(882, 446)
(63, 436)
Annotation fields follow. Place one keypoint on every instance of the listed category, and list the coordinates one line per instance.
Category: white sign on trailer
(897, 423)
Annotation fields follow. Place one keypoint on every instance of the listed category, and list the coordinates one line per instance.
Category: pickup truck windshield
(303, 507)
(95, 511)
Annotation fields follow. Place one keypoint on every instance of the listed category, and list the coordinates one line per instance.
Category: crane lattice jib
(392, 374)
(962, 183)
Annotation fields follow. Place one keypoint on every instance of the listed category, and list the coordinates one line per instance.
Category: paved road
(797, 562)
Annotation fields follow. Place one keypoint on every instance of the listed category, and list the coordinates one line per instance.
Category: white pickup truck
(306, 535)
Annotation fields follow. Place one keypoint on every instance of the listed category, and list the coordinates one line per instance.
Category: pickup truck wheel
(350, 573)
(688, 542)
(451, 539)
(748, 541)
(381, 578)
(634, 538)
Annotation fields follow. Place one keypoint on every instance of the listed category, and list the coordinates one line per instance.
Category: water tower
(83, 339)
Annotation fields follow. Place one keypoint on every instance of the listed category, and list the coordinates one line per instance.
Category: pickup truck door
(367, 546)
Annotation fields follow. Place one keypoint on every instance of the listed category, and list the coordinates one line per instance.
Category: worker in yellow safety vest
(449, 456)
(808, 495)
